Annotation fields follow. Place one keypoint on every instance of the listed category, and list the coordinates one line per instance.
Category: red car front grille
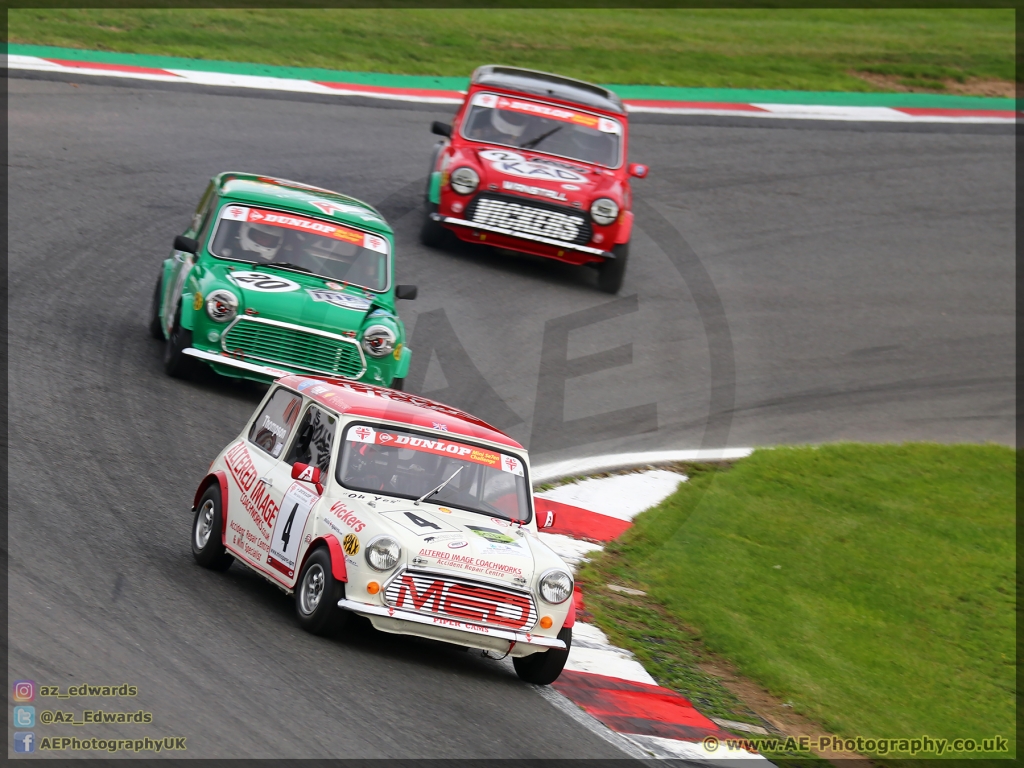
(530, 217)
(461, 600)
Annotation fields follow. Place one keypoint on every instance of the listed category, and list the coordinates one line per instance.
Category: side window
(274, 423)
(203, 209)
(314, 440)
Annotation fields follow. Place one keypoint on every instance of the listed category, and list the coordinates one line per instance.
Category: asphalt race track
(787, 284)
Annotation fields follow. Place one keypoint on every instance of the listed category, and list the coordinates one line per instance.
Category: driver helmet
(595, 145)
(261, 238)
(324, 248)
(509, 123)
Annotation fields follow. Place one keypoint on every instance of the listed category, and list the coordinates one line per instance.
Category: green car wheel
(176, 362)
(156, 329)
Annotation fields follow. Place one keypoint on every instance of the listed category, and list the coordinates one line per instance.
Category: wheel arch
(222, 480)
(338, 569)
(625, 231)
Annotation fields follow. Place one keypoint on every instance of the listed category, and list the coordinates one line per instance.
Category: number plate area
(461, 600)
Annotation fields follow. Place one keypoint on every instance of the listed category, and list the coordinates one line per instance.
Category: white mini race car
(364, 500)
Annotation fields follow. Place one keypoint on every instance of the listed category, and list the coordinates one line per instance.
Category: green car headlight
(379, 341)
(221, 305)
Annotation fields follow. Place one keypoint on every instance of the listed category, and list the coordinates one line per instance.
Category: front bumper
(450, 630)
(452, 221)
(225, 359)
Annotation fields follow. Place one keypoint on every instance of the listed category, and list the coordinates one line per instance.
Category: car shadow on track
(359, 636)
(524, 265)
(203, 377)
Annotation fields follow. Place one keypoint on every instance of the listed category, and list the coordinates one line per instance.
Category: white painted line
(824, 112)
(251, 81)
(619, 496)
(33, 63)
(544, 473)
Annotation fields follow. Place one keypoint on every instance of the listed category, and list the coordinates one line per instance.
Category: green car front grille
(293, 346)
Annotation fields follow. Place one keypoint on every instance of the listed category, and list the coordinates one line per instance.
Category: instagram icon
(24, 690)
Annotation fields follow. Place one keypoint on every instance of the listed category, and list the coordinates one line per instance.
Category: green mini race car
(275, 277)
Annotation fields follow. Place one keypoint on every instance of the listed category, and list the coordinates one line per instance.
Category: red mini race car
(536, 163)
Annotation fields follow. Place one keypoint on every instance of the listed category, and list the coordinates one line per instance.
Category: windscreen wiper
(534, 142)
(288, 265)
(442, 485)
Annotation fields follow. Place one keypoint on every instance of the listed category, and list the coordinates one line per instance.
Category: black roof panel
(546, 84)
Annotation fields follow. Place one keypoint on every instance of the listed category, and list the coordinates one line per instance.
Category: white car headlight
(221, 305)
(464, 180)
(379, 341)
(604, 210)
(383, 553)
(555, 587)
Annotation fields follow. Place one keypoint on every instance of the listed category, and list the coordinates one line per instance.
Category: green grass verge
(810, 49)
(871, 586)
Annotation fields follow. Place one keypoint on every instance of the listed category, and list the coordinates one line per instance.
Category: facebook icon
(25, 742)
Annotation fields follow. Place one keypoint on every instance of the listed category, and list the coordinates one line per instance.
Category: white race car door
(312, 446)
(255, 487)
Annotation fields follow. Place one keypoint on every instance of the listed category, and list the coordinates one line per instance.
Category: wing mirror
(186, 244)
(548, 520)
(441, 129)
(307, 474)
(406, 292)
(638, 170)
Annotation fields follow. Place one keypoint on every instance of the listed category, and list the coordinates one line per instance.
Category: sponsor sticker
(362, 434)
(350, 544)
(526, 189)
(514, 164)
(261, 281)
(502, 549)
(347, 516)
(338, 299)
(457, 544)
(511, 465)
(288, 527)
(492, 535)
(420, 522)
(333, 207)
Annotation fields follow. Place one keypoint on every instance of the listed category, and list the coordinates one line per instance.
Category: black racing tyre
(432, 233)
(207, 527)
(156, 328)
(433, 167)
(317, 593)
(398, 384)
(176, 362)
(611, 272)
(545, 667)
